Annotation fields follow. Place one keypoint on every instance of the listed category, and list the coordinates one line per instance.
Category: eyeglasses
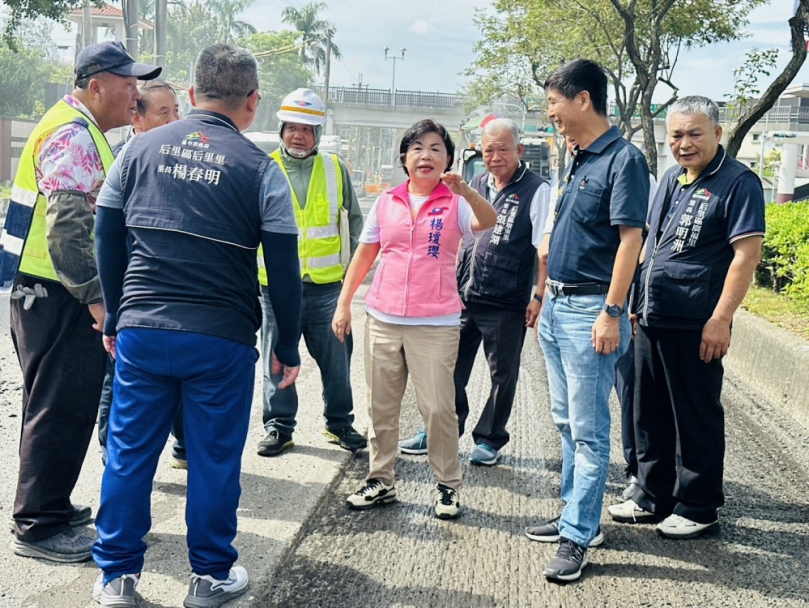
(253, 91)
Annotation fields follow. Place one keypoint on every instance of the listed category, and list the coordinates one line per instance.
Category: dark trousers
(502, 332)
(62, 360)
(625, 388)
(105, 404)
(214, 377)
(679, 425)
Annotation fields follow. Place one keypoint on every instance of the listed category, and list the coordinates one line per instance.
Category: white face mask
(298, 153)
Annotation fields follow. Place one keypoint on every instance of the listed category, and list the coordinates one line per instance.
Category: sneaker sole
(568, 577)
(175, 463)
(485, 463)
(642, 519)
(543, 539)
(413, 451)
(381, 501)
(711, 529)
(114, 602)
(264, 452)
(191, 601)
(332, 438)
(448, 515)
(26, 550)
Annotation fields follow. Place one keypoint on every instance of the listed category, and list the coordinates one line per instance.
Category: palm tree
(314, 33)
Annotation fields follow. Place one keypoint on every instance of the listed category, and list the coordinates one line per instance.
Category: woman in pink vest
(413, 310)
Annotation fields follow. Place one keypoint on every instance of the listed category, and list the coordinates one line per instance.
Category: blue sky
(439, 36)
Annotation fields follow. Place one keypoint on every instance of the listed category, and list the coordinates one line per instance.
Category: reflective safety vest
(318, 230)
(35, 259)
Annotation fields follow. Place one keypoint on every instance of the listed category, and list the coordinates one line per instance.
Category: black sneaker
(346, 437)
(71, 546)
(549, 533)
(274, 443)
(568, 563)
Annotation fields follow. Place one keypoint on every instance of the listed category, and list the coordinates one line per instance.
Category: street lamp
(394, 57)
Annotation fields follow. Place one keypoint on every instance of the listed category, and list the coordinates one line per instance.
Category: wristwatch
(538, 298)
(613, 310)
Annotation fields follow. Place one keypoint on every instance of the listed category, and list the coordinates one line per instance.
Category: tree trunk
(798, 25)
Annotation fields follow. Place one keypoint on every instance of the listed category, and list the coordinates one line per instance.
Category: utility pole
(328, 66)
(87, 26)
(131, 26)
(393, 84)
(160, 24)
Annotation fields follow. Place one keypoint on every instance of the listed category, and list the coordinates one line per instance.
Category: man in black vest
(195, 198)
(704, 243)
(495, 272)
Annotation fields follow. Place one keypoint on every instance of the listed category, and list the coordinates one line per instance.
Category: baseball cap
(112, 57)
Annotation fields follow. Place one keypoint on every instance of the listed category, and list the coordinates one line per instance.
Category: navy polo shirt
(692, 230)
(607, 186)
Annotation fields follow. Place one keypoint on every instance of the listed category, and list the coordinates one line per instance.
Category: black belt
(577, 289)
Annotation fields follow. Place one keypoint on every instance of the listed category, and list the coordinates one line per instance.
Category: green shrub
(785, 253)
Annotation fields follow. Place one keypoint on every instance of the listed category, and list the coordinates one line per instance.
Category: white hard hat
(302, 106)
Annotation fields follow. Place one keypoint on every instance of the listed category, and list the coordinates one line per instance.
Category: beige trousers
(428, 353)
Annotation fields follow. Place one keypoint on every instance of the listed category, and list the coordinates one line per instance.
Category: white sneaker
(372, 492)
(118, 593)
(447, 502)
(630, 513)
(206, 591)
(677, 526)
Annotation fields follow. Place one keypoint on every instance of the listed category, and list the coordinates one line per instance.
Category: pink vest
(416, 272)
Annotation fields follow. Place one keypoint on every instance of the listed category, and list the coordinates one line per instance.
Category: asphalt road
(400, 555)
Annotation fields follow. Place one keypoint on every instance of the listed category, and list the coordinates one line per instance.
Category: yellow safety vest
(318, 231)
(36, 259)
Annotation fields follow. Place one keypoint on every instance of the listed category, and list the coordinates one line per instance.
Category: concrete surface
(401, 555)
(772, 361)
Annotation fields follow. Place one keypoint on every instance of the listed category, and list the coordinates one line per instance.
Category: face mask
(298, 153)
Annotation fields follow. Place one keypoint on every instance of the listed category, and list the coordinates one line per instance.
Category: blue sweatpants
(213, 378)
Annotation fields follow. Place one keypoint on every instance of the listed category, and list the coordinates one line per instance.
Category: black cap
(112, 57)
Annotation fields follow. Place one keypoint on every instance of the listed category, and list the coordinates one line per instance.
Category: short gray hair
(225, 73)
(695, 104)
(501, 125)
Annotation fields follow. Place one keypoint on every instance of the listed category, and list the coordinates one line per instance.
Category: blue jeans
(154, 370)
(333, 358)
(580, 381)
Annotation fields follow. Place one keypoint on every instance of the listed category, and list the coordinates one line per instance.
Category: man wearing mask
(322, 197)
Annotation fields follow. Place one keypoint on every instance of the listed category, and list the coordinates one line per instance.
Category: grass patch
(779, 309)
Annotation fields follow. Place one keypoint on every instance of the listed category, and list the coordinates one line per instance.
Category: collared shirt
(606, 186)
(68, 160)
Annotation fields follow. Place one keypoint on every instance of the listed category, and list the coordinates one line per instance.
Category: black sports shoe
(568, 563)
(346, 437)
(549, 533)
(274, 443)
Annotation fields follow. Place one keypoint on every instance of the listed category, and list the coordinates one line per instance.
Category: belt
(577, 289)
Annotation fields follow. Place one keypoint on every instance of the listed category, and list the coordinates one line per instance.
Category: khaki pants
(429, 354)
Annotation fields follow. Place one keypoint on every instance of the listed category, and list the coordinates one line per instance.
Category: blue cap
(112, 57)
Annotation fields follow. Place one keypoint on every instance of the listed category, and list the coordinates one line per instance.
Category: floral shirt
(68, 160)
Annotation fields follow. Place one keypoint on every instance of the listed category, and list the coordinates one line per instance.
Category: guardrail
(383, 97)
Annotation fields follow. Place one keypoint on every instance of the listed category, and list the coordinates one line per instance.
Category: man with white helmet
(321, 194)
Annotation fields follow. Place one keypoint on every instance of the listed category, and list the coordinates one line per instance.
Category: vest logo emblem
(702, 194)
(438, 211)
(197, 136)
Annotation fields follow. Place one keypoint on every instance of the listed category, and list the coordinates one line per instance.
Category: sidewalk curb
(772, 361)
(258, 591)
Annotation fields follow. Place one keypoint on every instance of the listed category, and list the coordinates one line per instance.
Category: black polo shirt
(692, 230)
(606, 186)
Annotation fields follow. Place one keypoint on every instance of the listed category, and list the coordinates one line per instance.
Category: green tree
(798, 25)
(314, 33)
(281, 71)
(31, 9)
(636, 41)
